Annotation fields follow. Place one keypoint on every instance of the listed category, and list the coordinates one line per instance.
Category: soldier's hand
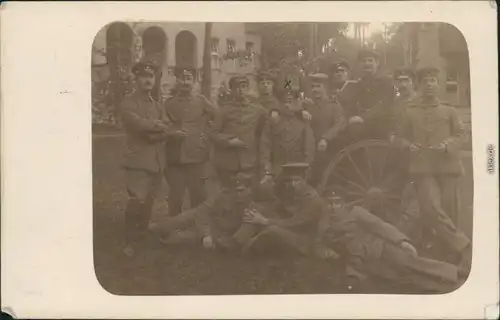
(160, 125)
(322, 145)
(154, 227)
(409, 248)
(415, 147)
(440, 147)
(180, 134)
(392, 138)
(325, 253)
(266, 179)
(356, 120)
(254, 217)
(275, 116)
(236, 143)
(306, 115)
(208, 242)
(157, 136)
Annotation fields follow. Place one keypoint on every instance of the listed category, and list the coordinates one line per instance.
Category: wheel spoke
(382, 167)
(363, 190)
(368, 160)
(349, 191)
(358, 171)
(392, 197)
(387, 180)
(355, 202)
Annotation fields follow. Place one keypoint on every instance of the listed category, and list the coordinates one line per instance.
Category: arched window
(119, 42)
(186, 49)
(154, 44)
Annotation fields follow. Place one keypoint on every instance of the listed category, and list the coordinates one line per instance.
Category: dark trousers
(141, 187)
(321, 162)
(420, 272)
(438, 201)
(182, 177)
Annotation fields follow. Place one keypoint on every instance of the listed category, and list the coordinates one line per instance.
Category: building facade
(120, 44)
(443, 46)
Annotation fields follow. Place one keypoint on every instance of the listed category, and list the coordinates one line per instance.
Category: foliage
(244, 57)
(107, 94)
(293, 50)
(283, 41)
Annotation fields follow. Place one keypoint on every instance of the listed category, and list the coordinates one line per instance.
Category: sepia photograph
(281, 158)
(249, 160)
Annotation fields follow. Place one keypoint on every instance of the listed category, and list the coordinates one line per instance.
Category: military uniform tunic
(295, 217)
(270, 103)
(244, 120)
(193, 114)
(372, 99)
(290, 140)
(327, 123)
(144, 156)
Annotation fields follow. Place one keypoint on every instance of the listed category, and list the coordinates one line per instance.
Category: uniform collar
(267, 98)
(182, 95)
(245, 102)
(430, 103)
(289, 112)
(339, 86)
(322, 99)
(369, 80)
(409, 97)
(144, 96)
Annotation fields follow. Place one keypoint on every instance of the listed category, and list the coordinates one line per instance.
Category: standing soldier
(405, 92)
(237, 130)
(327, 123)
(340, 83)
(187, 157)
(433, 133)
(288, 140)
(266, 83)
(404, 78)
(143, 154)
(370, 101)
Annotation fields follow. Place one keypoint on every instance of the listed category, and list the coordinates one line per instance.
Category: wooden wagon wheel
(367, 173)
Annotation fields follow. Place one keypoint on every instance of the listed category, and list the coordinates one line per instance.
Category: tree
(294, 49)
(206, 88)
(282, 42)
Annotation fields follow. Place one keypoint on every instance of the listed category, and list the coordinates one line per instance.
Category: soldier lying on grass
(371, 248)
(218, 222)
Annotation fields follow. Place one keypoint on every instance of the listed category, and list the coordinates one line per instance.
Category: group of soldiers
(270, 153)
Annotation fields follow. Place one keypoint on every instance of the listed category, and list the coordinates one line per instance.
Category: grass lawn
(159, 270)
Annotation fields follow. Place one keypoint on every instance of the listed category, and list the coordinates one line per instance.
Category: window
(215, 45)
(451, 87)
(215, 62)
(452, 75)
(249, 47)
(231, 46)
